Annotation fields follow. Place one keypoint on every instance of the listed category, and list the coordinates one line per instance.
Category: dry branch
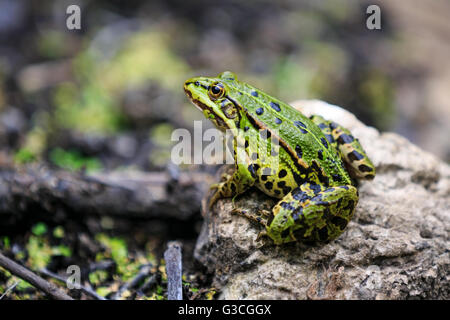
(125, 194)
(33, 279)
(87, 290)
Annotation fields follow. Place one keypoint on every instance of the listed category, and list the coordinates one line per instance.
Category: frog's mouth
(200, 105)
(191, 90)
(195, 90)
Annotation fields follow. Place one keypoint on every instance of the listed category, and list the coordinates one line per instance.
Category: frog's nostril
(195, 83)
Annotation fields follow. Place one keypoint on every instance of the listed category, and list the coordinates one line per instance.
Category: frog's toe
(236, 211)
(216, 196)
(225, 176)
(214, 186)
(262, 234)
(258, 216)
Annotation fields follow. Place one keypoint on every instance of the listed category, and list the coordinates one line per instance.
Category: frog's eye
(228, 75)
(216, 91)
(229, 111)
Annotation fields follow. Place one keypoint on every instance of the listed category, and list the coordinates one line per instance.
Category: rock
(396, 246)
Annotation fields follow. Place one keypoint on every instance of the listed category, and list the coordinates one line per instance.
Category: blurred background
(109, 95)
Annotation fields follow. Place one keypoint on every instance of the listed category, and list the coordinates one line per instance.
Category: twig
(143, 273)
(9, 289)
(33, 279)
(87, 290)
(101, 265)
(172, 256)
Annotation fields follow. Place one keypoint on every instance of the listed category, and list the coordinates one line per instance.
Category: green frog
(309, 163)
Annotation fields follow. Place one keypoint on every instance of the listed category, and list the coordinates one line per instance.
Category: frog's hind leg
(313, 214)
(324, 125)
(353, 154)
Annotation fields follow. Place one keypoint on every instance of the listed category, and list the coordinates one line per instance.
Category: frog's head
(213, 97)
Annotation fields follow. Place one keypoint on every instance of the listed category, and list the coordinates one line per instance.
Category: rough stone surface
(396, 246)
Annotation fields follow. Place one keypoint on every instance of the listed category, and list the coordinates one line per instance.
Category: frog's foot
(262, 217)
(317, 216)
(224, 190)
(224, 177)
(233, 185)
(259, 216)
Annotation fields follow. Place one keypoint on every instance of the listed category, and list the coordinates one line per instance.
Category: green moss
(23, 285)
(87, 109)
(20, 255)
(35, 141)
(39, 252)
(116, 250)
(98, 277)
(5, 272)
(62, 250)
(144, 56)
(24, 155)
(58, 232)
(104, 291)
(39, 229)
(91, 102)
(159, 290)
(72, 160)
(156, 296)
(6, 243)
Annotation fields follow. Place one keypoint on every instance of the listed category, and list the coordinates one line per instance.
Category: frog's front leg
(310, 215)
(235, 184)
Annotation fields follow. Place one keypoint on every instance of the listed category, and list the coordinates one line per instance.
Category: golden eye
(216, 91)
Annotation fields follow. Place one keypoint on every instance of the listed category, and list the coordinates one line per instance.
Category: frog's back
(296, 133)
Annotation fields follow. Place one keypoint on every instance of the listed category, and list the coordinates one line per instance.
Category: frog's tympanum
(309, 163)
